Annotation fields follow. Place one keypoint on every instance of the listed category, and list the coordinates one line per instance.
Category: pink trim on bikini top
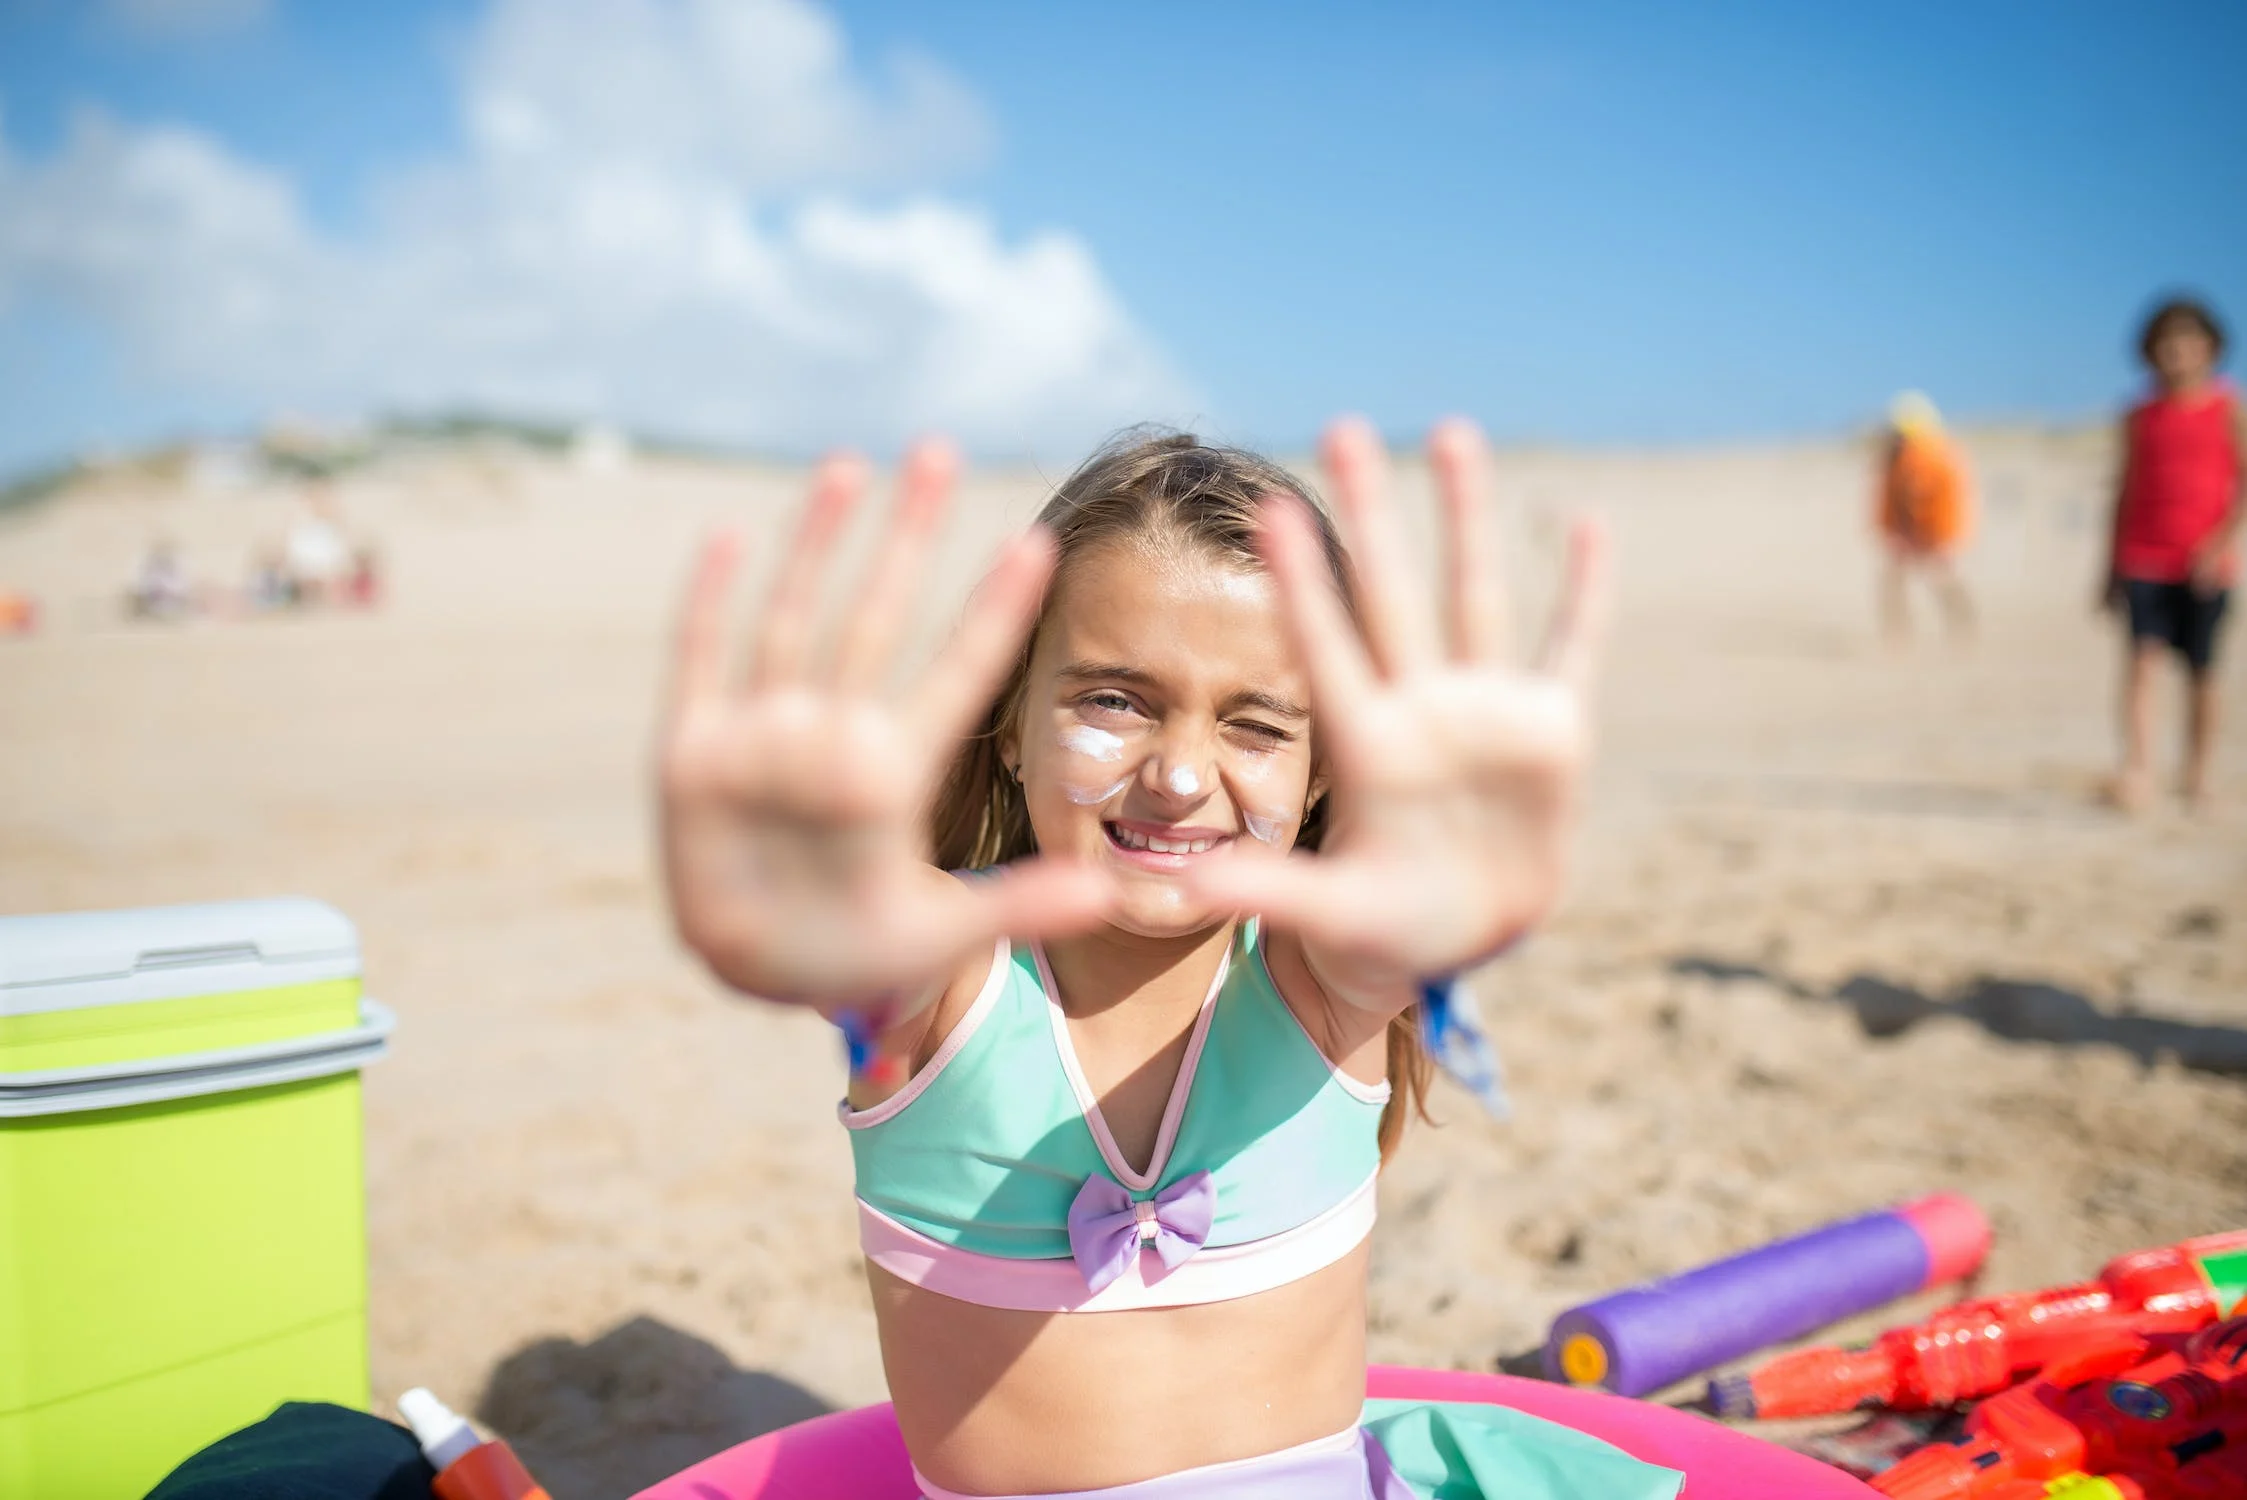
(1122, 1254)
(1088, 1103)
(1213, 1274)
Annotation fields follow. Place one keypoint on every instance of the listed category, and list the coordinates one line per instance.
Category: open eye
(1108, 701)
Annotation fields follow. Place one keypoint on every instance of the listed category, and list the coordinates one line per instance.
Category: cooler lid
(66, 960)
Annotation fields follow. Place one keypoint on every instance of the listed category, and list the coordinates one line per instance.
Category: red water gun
(2161, 1417)
(2227, 1482)
(1977, 1348)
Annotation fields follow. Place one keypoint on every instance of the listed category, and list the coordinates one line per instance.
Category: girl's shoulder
(2221, 394)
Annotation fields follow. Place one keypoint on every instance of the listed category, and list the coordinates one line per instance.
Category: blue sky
(1614, 224)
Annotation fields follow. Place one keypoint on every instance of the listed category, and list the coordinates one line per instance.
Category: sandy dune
(1849, 926)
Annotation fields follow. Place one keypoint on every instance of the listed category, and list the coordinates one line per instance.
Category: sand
(1849, 925)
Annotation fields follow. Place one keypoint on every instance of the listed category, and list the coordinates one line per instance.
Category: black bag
(306, 1450)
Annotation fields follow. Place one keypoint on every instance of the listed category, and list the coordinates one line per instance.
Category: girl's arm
(792, 788)
(2209, 562)
(1454, 775)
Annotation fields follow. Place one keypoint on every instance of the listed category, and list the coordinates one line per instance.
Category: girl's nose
(1183, 774)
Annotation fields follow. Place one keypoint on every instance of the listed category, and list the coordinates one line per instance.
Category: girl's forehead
(1166, 609)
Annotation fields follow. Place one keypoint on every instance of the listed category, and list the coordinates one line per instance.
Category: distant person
(316, 551)
(362, 587)
(159, 590)
(19, 612)
(1926, 514)
(2172, 559)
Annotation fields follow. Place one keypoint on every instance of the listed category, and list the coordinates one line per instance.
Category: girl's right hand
(793, 791)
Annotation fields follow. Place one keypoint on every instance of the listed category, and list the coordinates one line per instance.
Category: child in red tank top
(2172, 558)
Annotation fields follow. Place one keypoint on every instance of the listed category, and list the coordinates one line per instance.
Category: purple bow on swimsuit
(1107, 1226)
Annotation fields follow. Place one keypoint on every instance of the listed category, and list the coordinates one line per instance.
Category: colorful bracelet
(864, 1059)
(1451, 1029)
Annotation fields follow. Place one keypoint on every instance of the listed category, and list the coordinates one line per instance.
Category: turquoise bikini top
(991, 1176)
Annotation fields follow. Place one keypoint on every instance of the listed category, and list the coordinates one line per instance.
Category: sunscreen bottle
(468, 1467)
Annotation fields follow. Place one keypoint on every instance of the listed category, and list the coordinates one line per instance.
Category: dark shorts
(2177, 615)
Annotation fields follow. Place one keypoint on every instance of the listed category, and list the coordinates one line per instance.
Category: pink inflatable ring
(857, 1455)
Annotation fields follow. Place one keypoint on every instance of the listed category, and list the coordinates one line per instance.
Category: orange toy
(2157, 1417)
(1980, 1347)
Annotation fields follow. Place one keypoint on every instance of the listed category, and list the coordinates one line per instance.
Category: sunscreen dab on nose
(468, 1467)
(1184, 782)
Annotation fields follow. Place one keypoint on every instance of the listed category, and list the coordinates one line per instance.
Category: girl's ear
(1010, 754)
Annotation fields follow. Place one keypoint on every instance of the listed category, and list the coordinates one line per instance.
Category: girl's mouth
(1159, 844)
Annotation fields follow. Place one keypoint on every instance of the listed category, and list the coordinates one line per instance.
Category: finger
(870, 634)
(1333, 653)
(959, 685)
(1399, 630)
(1475, 589)
(1295, 891)
(1041, 898)
(1579, 627)
(783, 643)
(698, 661)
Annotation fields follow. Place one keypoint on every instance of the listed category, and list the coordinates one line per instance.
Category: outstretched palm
(1454, 775)
(792, 793)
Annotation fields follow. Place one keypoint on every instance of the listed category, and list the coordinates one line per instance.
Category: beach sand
(1848, 924)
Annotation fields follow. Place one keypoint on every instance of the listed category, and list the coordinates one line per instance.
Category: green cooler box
(182, 1198)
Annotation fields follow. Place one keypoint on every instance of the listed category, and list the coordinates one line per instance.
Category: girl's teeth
(1133, 840)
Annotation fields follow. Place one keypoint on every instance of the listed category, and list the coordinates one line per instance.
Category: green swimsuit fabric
(1457, 1450)
(990, 1155)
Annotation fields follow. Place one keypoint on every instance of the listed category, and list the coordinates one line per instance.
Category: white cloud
(651, 220)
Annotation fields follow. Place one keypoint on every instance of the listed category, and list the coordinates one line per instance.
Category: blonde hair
(1147, 485)
(1911, 413)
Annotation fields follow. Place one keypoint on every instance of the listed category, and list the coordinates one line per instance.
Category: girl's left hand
(1454, 775)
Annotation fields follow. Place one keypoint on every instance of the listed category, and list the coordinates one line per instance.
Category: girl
(1116, 1138)
(2170, 559)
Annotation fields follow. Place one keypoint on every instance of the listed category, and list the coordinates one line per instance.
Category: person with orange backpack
(1925, 514)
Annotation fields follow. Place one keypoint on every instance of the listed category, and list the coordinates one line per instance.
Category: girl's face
(2183, 354)
(1163, 718)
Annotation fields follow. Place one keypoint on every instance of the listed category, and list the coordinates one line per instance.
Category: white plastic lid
(444, 1435)
(66, 960)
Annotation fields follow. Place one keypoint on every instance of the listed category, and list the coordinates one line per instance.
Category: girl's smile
(1159, 846)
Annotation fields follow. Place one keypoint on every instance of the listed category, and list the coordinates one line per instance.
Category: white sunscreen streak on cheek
(1094, 745)
(1091, 743)
(1183, 781)
(1251, 772)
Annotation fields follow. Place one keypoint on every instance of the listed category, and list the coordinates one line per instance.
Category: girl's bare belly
(997, 1402)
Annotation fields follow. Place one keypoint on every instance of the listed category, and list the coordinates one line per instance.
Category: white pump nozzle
(444, 1434)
